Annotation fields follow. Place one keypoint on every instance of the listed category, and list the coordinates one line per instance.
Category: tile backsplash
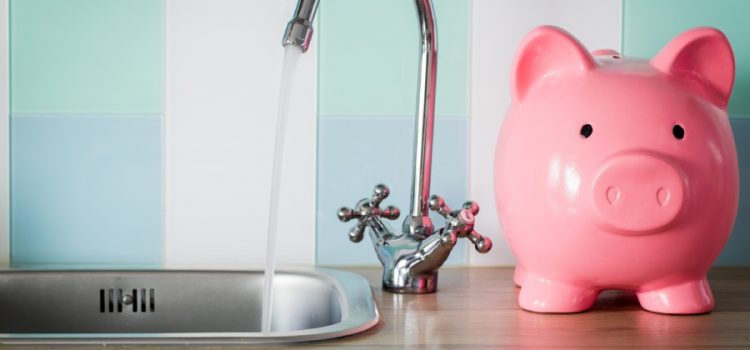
(86, 116)
(140, 131)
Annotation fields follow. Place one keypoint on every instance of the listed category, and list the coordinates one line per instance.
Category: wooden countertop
(476, 308)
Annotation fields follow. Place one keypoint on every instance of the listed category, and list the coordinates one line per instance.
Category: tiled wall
(86, 131)
(148, 139)
(142, 133)
(4, 140)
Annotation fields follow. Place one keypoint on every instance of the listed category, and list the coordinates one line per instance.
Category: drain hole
(152, 300)
(119, 300)
(111, 300)
(143, 300)
(102, 308)
(135, 300)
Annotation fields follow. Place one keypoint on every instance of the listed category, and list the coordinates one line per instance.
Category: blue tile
(735, 252)
(355, 153)
(86, 189)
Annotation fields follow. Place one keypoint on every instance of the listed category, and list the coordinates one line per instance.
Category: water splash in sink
(291, 58)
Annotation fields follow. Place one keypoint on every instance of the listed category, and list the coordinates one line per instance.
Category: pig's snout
(637, 193)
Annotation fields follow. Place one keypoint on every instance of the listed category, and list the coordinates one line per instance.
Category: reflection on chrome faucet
(412, 257)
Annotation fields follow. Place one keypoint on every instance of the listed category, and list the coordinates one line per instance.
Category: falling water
(291, 57)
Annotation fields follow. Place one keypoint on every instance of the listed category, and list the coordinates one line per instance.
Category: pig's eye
(678, 132)
(587, 130)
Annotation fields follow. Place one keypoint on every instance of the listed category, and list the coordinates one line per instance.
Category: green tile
(648, 25)
(74, 56)
(368, 57)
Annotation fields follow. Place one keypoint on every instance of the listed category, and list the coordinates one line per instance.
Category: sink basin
(175, 306)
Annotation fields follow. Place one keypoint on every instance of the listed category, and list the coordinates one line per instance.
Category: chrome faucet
(410, 257)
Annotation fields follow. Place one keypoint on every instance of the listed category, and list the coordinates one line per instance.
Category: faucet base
(422, 284)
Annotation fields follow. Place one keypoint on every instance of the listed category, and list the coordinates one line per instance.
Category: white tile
(4, 137)
(223, 69)
(498, 27)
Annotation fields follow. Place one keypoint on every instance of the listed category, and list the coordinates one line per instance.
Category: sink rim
(351, 288)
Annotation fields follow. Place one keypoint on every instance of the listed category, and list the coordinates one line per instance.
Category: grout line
(85, 114)
(5, 133)
(164, 124)
(470, 115)
(316, 112)
(622, 27)
(386, 117)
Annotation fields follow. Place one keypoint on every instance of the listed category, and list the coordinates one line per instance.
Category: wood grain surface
(475, 308)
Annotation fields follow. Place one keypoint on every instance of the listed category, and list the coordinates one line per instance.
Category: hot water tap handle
(367, 209)
(460, 223)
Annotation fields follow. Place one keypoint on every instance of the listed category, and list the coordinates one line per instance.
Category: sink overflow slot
(108, 298)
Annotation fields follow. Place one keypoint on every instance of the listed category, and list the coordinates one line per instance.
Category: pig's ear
(546, 51)
(703, 61)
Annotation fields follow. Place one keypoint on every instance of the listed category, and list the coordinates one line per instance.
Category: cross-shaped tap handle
(461, 222)
(367, 209)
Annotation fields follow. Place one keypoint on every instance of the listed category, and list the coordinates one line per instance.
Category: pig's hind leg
(691, 297)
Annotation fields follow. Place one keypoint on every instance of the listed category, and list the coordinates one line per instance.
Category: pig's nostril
(662, 196)
(613, 194)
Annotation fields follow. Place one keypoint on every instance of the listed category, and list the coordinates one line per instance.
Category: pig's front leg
(691, 297)
(540, 294)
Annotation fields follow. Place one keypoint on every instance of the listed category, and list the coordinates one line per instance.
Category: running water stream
(291, 57)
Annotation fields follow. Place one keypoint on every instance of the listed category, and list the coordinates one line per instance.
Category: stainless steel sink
(174, 306)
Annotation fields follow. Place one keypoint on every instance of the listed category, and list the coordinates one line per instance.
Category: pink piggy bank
(620, 173)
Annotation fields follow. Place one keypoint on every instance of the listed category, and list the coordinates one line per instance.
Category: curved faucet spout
(411, 258)
(299, 33)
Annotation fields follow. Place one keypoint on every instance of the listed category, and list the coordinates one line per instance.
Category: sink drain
(116, 300)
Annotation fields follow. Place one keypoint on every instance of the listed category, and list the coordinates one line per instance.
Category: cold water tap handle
(366, 209)
(460, 223)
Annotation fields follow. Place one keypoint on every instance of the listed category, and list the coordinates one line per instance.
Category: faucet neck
(417, 224)
(425, 120)
(411, 258)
